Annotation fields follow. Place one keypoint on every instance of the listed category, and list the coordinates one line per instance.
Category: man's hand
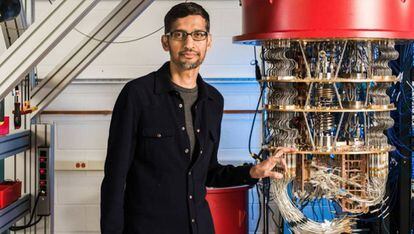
(265, 168)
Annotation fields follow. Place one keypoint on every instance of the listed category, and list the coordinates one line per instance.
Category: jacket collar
(163, 82)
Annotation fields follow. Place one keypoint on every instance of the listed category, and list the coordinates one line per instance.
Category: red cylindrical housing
(318, 19)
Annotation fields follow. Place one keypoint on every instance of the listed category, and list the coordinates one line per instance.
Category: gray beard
(189, 66)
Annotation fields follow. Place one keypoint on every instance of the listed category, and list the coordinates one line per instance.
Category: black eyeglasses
(181, 35)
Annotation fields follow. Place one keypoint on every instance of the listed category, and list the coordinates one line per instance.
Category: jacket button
(183, 128)
(159, 135)
(198, 130)
(193, 220)
(181, 105)
(191, 197)
(189, 173)
(186, 151)
(201, 152)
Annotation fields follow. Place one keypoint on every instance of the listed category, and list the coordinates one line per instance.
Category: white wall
(83, 138)
(138, 58)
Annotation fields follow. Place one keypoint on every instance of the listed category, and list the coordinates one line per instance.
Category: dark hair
(183, 10)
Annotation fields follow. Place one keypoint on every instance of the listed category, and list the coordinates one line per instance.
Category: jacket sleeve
(226, 175)
(120, 152)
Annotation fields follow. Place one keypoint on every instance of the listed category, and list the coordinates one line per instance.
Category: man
(163, 141)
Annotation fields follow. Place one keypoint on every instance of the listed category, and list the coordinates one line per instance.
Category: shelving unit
(14, 212)
(14, 143)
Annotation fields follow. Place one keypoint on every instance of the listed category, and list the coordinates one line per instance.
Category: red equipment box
(4, 127)
(10, 191)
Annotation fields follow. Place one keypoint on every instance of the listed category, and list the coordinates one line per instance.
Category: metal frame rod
(86, 51)
(38, 40)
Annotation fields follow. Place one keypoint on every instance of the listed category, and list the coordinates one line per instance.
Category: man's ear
(164, 42)
(209, 41)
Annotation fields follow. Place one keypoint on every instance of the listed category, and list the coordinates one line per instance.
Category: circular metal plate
(372, 108)
(344, 150)
(293, 79)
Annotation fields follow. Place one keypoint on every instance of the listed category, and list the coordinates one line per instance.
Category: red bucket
(229, 209)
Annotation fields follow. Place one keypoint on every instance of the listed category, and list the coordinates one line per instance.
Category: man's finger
(283, 150)
(280, 148)
(273, 159)
(283, 161)
(275, 175)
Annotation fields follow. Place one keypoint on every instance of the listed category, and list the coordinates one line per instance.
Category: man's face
(188, 53)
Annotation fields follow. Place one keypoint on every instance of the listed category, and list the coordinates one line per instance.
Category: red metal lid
(318, 19)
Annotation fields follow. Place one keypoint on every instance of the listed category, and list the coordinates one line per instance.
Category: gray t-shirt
(189, 97)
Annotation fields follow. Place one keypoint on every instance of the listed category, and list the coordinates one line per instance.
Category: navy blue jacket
(151, 186)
